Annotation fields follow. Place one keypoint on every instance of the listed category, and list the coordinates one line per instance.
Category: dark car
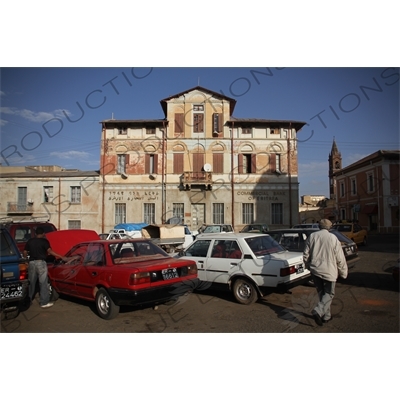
(117, 272)
(255, 228)
(294, 240)
(14, 274)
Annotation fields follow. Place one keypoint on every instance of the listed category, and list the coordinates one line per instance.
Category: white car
(249, 263)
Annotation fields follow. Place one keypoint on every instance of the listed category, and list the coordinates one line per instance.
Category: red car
(116, 272)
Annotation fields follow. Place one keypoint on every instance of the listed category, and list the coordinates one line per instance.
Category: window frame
(218, 213)
(75, 198)
(276, 213)
(120, 213)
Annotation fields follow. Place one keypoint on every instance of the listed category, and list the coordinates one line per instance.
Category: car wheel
(106, 308)
(52, 292)
(244, 292)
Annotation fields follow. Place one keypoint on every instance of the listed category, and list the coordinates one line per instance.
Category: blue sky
(359, 107)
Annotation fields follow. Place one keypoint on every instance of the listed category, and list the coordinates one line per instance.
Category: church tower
(335, 164)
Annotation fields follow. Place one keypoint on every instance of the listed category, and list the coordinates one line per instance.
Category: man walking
(324, 257)
(38, 249)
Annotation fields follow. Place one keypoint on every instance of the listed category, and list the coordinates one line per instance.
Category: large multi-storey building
(199, 164)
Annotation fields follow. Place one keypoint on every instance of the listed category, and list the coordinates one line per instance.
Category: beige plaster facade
(199, 164)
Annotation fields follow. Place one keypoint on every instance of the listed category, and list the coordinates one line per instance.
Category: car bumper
(13, 293)
(294, 282)
(154, 295)
(351, 261)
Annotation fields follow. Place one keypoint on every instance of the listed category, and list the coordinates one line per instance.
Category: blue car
(14, 275)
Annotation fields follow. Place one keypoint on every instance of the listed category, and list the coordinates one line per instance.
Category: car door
(63, 275)
(223, 261)
(198, 251)
(91, 271)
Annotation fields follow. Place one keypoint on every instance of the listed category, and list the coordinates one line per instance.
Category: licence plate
(300, 270)
(170, 273)
(12, 292)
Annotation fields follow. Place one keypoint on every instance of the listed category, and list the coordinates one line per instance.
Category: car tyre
(245, 292)
(106, 308)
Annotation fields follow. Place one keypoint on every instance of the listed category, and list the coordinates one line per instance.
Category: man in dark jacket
(323, 256)
(38, 248)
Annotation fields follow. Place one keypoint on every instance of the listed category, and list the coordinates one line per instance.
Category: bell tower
(335, 164)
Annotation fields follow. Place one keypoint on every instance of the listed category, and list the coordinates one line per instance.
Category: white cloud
(3, 122)
(67, 155)
(2, 93)
(41, 116)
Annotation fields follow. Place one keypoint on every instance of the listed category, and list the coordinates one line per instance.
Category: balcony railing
(201, 178)
(16, 208)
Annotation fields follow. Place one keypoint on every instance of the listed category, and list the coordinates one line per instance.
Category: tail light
(190, 270)
(23, 271)
(139, 278)
(291, 270)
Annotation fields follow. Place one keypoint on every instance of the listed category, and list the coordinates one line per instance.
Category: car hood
(64, 240)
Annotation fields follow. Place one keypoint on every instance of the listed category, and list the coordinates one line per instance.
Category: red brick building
(368, 190)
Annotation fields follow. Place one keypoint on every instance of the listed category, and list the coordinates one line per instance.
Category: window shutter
(240, 163)
(253, 167)
(147, 163)
(178, 123)
(198, 162)
(155, 163)
(218, 163)
(272, 162)
(178, 163)
(198, 123)
(220, 123)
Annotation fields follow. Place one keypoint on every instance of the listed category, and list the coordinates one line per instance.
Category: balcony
(202, 180)
(19, 209)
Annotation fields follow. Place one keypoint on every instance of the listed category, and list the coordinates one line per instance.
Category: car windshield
(212, 229)
(6, 246)
(262, 245)
(343, 228)
(124, 251)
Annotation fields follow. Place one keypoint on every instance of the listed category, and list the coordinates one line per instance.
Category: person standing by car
(324, 257)
(38, 248)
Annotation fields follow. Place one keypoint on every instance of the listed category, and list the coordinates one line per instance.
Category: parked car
(22, 231)
(259, 228)
(299, 226)
(215, 228)
(113, 273)
(14, 274)
(353, 231)
(249, 264)
(295, 239)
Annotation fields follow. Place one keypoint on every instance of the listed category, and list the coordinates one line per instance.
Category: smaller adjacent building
(70, 199)
(367, 191)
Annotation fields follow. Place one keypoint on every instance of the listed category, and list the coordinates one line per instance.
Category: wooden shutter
(218, 163)
(272, 162)
(240, 163)
(147, 163)
(178, 163)
(155, 166)
(198, 164)
(178, 122)
(198, 123)
(217, 122)
(253, 166)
